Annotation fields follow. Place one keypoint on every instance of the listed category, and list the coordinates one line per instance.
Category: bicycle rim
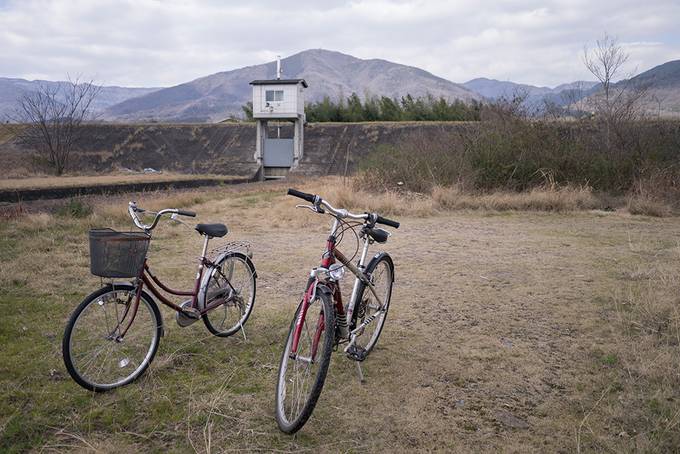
(98, 356)
(235, 281)
(370, 306)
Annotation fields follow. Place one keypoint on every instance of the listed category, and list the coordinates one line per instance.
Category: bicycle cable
(340, 236)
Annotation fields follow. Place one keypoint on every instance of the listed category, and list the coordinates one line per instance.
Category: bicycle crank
(188, 315)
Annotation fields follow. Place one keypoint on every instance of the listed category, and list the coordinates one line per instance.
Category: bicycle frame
(148, 279)
(329, 257)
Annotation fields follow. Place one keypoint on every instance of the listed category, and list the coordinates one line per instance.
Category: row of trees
(408, 108)
(383, 108)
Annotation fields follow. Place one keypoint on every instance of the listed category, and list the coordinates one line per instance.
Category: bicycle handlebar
(385, 221)
(133, 209)
(341, 213)
(311, 198)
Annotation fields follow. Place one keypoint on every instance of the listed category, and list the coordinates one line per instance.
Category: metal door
(278, 153)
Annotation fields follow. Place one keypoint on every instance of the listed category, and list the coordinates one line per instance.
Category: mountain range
(219, 96)
(328, 73)
(535, 97)
(12, 89)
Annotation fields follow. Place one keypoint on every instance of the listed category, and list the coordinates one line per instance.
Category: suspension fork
(297, 331)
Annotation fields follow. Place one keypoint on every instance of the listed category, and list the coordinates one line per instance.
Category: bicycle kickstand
(360, 372)
(243, 331)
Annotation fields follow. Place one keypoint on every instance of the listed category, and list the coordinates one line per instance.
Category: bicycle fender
(320, 286)
(208, 273)
(377, 257)
(145, 294)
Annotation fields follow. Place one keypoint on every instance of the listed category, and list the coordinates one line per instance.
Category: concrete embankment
(225, 149)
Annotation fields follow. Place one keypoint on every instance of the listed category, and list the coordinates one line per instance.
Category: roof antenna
(278, 67)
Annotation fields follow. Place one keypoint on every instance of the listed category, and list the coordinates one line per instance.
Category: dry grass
(641, 379)
(648, 206)
(505, 332)
(97, 180)
(563, 199)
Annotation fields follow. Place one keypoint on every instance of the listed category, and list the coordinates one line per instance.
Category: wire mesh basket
(117, 254)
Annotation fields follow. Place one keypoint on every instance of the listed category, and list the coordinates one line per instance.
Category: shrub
(74, 208)
(509, 153)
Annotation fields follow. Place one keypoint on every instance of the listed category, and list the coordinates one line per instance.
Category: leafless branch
(51, 118)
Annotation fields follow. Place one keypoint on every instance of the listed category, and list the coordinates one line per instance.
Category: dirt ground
(500, 337)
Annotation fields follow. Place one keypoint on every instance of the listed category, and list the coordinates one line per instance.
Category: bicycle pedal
(357, 353)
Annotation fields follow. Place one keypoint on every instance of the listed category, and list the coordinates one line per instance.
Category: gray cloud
(160, 43)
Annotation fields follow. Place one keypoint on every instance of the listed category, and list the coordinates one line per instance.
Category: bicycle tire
(381, 260)
(292, 426)
(213, 327)
(99, 297)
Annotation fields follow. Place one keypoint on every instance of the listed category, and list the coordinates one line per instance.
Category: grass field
(508, 331)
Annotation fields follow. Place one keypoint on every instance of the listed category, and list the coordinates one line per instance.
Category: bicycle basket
(117, 254)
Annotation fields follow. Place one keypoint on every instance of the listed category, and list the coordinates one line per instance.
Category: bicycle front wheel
(96, 354)
(232, 280)
(301, 376)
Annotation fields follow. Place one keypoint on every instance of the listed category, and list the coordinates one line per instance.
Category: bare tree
(658, 100)
(508, 108)
(50, 119)
(605, 62)
(617, 102)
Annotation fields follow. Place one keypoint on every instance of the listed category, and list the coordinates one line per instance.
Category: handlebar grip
(303, 195)
(191, 214)
(385, 221)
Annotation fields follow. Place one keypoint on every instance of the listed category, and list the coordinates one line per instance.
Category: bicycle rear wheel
(381, 270)
(95, 354)
(234, 280)
(301, 378)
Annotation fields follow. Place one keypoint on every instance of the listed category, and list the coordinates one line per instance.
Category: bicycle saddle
(213, 230)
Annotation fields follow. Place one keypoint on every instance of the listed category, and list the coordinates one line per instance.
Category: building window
(274, 95)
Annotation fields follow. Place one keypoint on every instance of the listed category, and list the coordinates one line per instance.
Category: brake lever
(175, 217)
(313, 208)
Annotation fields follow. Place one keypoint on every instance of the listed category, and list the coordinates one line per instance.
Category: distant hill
(12, 89)
(660, 86)
(663, 93)
(536, 96)
(328, 73)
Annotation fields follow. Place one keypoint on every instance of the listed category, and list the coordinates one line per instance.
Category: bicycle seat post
(205, 247)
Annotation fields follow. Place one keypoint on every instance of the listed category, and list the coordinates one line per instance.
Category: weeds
(510, 154)
(74, 208)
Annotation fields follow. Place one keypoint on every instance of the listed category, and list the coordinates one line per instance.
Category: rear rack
(232, 246)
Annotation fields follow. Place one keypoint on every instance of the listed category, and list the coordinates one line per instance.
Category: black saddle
(213, 230)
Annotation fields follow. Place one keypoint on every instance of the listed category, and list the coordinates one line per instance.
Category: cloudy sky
(162, 43)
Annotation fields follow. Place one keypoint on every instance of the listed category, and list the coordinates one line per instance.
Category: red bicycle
(322, 322)
(112, 336)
